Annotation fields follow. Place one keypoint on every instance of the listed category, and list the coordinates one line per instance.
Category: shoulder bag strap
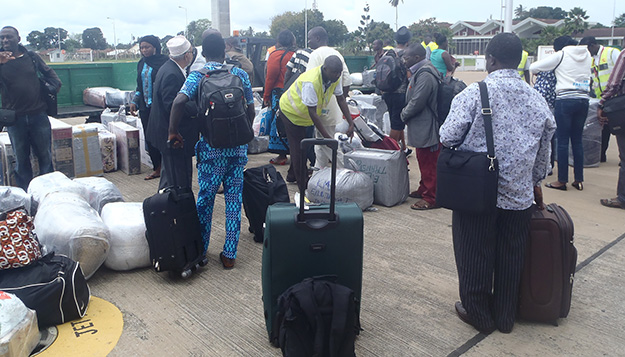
(488, 123)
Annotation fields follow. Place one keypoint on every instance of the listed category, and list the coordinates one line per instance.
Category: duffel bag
(54, 286)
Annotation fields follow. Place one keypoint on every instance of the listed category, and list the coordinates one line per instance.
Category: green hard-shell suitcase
(325, 239)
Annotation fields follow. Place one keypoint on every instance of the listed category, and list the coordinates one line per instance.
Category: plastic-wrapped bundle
(258, 145)
(19, 334)
(12, 198)
(96, 96)
(100, 191)
(258, 119)
(129, 248)
(67, 224)
(41, 186)
(376, 101)
(351, 186)
(591, 137)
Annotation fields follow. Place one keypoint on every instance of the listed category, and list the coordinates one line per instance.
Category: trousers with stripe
(212, 172)
(489, 251)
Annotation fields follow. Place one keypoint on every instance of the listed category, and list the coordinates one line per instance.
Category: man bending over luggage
(215, 165)
(301, 106)
(489, 248)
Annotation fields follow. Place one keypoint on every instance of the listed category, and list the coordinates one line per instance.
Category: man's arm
(177, 111)
(420, 96)
(48, 72)
(547, 64)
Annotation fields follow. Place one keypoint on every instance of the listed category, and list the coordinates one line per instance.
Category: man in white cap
(169, 80)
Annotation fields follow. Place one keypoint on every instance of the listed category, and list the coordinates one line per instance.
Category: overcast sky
(161, 18)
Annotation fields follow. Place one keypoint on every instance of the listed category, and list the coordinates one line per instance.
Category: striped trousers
(489, 251)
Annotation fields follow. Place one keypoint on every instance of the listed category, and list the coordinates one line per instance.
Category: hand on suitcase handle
(538, 197)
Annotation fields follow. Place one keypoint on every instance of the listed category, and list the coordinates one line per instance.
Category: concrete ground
(409, 286)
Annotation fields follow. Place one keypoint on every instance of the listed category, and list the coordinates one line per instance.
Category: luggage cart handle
(334, 145)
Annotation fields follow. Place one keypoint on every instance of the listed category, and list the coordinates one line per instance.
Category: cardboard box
(62, 147)
(87, 155)
(145, 157)
(108, 146)
(128, 152)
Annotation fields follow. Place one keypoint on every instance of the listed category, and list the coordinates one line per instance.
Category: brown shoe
(226, 262)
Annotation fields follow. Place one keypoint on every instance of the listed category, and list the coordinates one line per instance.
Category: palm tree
(395, 3)
(575, 21)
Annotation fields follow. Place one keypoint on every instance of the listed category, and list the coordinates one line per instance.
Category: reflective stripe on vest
(603, 70)
(521, 67)
(291, 101)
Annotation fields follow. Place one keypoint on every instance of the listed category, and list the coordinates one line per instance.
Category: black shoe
(408, 151)
(464, 316)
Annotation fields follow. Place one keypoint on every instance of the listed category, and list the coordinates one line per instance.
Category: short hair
(12, 28)
(439, 38)
(213, 46)
(319, 32)
(333, 63)
(415, 49)
(286, 38)
(507, 48)
(563, 41)
(588, 40)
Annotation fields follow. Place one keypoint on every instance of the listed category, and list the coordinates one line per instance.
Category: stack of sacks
(129, 248)
(41, 186)
(100, 191)
(19, 334)
(87, 154)
(351, 186)
(12, 198)
(66, 224)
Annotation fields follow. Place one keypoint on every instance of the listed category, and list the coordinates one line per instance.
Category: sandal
(578, 185)
(152, 176)
(551, 185)
(422, 205)
(278, 162)
(612, 202)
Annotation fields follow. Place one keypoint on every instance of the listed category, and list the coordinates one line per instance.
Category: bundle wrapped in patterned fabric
(19, 245)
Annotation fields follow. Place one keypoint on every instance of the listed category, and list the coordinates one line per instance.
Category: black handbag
(48, 95)
(7, 117)
(614, 109)
(467, 181)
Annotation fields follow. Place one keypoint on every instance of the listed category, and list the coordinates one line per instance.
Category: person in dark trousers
(21, 91)
(490, 248)
(151, 61)
(169, 80)
(216, 166)
(420, 115)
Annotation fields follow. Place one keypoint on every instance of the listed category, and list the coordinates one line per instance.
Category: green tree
(380, 31)
(94, 39)
(575, 21)
(195, 29)
(619, 21)
(337, 32)
(49, 38)
(521, 13)
(36, 39)
(547, 35)
(547, 12)
(395, 4)
(71, 45)
(295, 22)
(429, 27)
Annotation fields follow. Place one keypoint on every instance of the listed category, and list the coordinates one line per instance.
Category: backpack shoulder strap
(340, 304)
(305, 295)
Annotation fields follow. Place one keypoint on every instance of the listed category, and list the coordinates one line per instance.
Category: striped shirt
(615, 85)
(299, 60)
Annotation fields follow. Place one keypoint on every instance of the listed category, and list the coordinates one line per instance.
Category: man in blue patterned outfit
(489, 248)
(215, 165)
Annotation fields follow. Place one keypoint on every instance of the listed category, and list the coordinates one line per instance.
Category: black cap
(403, 35)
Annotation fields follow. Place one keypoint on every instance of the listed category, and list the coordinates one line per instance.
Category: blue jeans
(34, 131)
(570, 117)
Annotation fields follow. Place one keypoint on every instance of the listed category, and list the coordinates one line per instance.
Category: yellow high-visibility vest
(602, 70)
(291, 100)
(521, 67)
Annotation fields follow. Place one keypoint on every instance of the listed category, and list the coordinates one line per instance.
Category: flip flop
(561, 188)
(422, 205)
(611, 202)
(275, 162)
(152, 176)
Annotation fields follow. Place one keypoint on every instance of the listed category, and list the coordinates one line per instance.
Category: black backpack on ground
(223, 109)
(262, 187)
(316, 317)
(389, 72)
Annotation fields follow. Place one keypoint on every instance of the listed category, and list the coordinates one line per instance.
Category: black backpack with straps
(316, 317)
(223, 109)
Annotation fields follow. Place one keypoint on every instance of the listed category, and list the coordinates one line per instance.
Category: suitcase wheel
(203, 262)
(186, 273)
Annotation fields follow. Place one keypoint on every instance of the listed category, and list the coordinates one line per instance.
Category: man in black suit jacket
(169, 79)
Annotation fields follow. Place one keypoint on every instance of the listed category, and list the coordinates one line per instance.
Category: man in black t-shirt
(21, 91)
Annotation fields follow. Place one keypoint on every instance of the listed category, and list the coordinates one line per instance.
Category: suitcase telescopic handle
(334, 145)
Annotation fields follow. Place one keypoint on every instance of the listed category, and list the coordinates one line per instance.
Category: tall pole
(305, 23)
(60, 37)
(508, 23)
(114, 36)
(186, 21)
(613, 18)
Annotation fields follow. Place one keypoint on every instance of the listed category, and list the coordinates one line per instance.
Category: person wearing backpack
(216, 165)
(420, 115)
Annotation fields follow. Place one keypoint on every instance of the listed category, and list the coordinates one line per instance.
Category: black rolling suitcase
(325, 239)
(262, 187)
(173, 228)
(550, 260)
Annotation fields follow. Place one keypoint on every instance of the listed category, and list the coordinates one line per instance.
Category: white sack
(100, 191)
(351, 186)
(129, 247)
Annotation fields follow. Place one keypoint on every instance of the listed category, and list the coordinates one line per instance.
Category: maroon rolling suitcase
(550, 260)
